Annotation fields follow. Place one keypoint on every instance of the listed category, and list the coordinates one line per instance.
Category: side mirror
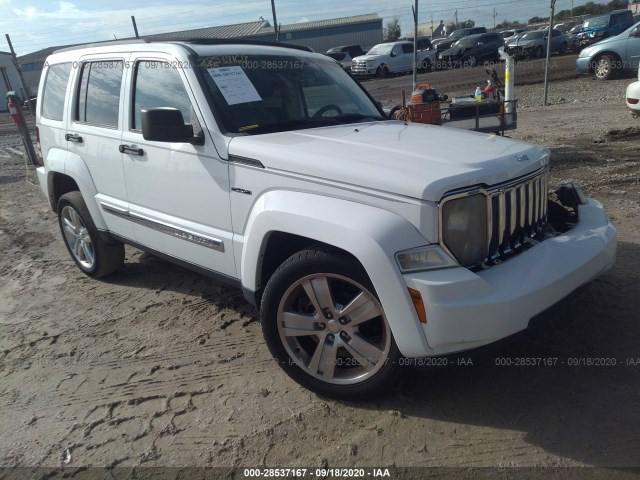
(166, 124)
(392, 54)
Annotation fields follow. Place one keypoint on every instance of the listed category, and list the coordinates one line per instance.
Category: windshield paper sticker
(234, 85)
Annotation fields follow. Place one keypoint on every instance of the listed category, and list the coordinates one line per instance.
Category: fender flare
(75, 167)
(370, 234)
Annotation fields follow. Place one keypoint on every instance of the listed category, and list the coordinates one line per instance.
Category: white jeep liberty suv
(362, 240)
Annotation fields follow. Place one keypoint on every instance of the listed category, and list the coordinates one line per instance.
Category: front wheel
(323, 323)
(93, 255)
(604, 68)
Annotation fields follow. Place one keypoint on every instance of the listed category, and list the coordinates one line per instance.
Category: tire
(563, 49)
(382, 71)
(94, 256)
(539, 52)
(604, 68)
(425, 66)
(331, 297)
(470, 61)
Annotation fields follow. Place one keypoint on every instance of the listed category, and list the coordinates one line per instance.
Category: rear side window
(99, 93)
(158, 84)
(55, 89)
(407, 47)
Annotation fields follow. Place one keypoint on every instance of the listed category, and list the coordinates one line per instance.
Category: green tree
(538, 19)
(392, 31)
(506, 24)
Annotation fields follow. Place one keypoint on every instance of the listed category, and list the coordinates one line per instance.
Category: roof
(225, 31)
(334, 22)
(40, 55)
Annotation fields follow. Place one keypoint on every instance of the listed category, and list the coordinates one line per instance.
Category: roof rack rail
(123, 41)
(234, 41)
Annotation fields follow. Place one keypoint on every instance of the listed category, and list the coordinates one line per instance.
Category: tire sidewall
(291, 271)
(107, 257)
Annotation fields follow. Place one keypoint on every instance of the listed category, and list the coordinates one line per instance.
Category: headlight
(429, 257)
(592, 34)
(464, 228)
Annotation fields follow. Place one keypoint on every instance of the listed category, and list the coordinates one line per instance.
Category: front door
(178, 192)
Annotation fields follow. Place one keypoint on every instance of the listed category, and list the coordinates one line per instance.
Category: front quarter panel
(370, 234)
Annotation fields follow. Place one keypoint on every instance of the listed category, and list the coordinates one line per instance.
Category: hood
(364, 58)
(412, 160)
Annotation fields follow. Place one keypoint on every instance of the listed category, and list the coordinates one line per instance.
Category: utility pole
(415, 44)
(275, 22)
(135, 27)
(25, 87)
(494, 17)
(546, 66)
(455, 16)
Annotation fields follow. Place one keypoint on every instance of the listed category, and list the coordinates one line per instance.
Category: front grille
(516, 215)
(359, 67)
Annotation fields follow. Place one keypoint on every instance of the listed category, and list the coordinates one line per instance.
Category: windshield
(457, 34)
(255, 94)
(596, 22)
(534, 35)
(380, 50)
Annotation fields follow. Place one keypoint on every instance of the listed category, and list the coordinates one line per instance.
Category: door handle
(72, 137)
(131, 150)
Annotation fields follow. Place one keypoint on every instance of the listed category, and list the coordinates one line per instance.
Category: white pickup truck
(393, 57)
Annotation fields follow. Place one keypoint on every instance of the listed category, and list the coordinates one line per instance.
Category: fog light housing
(430, 257)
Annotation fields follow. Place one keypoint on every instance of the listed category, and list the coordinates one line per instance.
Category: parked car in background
(391, 57)
(633, 96)
(471, 50)
(352, 50)
(564, 27)
(442, 44)
(610, 55)
(513, 39)
(534, 44)
(345, 54)
(603, 26)
(343, 58)
(511, 32)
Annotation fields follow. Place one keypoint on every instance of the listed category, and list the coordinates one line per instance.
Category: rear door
(178, 192)
(95, 130)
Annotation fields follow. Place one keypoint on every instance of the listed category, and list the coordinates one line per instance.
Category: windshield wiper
(294, 125)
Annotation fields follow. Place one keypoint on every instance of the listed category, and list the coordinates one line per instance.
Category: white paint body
(633, 95)
(371, 189)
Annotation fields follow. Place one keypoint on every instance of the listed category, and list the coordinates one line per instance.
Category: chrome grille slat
(515, 214)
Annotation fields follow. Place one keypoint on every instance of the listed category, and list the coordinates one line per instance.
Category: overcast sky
(37, 24)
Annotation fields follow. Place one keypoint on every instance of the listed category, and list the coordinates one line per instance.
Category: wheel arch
(72, 175)
(282, 221)
(616, 56)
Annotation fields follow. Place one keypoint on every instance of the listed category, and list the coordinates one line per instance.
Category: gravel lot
(158, 366)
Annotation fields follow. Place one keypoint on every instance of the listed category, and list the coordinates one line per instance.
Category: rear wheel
(605, 67)
(471, 61)
(94, 256)
(323, 323)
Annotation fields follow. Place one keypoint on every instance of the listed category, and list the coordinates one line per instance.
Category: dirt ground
(159, 366)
